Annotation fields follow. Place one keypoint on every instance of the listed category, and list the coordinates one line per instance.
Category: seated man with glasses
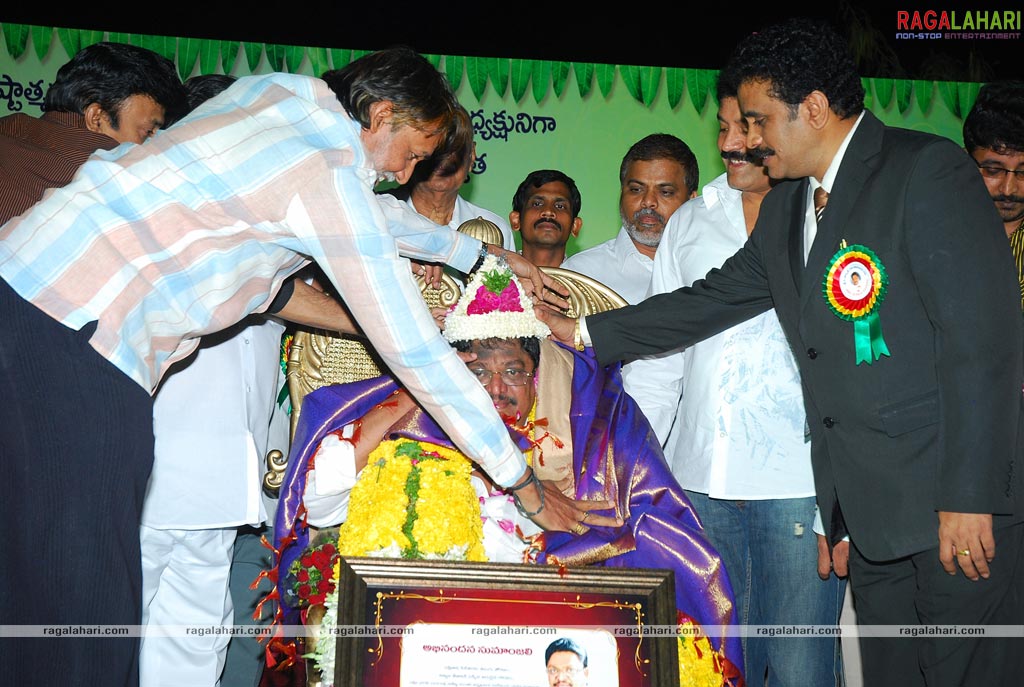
(365, 449)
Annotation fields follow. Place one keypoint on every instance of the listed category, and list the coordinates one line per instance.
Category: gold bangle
(577, 337)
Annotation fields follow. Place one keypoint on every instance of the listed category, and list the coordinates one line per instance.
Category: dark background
(698, 35)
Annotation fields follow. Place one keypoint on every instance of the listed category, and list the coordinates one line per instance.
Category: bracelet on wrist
(532, 479)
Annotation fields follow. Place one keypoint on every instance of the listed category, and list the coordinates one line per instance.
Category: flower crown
(493, 305)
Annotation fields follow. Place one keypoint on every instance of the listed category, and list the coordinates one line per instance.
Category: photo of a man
(566, 662)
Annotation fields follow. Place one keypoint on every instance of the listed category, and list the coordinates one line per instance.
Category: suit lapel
(857, 166)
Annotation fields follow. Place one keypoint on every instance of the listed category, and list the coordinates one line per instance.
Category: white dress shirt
(213, 422)
(728, 410)
(617, 264)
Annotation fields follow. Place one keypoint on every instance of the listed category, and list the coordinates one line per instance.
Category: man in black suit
(912, 370)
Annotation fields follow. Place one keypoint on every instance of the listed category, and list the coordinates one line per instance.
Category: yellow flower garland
(440, 520)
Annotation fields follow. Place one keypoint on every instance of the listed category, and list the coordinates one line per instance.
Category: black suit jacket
(935, 425)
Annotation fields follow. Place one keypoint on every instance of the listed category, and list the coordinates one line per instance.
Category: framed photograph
(418, 623)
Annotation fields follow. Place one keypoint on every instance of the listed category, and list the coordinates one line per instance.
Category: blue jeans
(771, 554)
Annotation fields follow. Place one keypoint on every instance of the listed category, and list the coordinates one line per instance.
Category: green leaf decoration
(499, 68)
(209, 53)
(476, 72)
(519, 75)
(584, 77)
(883, 92)
(559, 77)
(950, 96)
(968, 92)
(41, 39)
(293, 56)
(228, 55)
(650, 78)
(188, 53)
(539, 79)
(605, 78)
(869, 97)
(904, 87)
(435, 60)
(117, 37)
(318, 61)
(630, 74)
(69, 39)
(496, 280)
(698, 83)
(138, 40)
(253, 52)
(16, 38)
(923, 92)
(275, 56)
(161, 45)
(339, 57)
(674, 82)
(87, 38)
(454, 66)
(356, 54)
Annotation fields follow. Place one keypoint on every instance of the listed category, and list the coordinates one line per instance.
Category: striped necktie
(820, 201)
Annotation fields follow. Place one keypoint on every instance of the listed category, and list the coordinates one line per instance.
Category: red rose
(304, 591)
(303, 575)
(324, 586)
(321, 560)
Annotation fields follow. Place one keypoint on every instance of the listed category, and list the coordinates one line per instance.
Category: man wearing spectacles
(994, 137)
(566, 660)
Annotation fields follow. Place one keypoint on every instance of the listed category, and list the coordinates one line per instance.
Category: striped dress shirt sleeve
(191, 231)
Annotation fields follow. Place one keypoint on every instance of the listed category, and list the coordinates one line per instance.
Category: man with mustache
(545, 211)
(912, 392)
(994, 137)
(734, 433)
(657, 175)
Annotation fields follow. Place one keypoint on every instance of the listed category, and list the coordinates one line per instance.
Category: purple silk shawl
(617, 457)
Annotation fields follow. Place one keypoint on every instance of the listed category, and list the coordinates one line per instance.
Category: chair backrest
(586, 295)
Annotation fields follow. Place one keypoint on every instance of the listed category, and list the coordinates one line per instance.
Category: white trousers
(184, 583)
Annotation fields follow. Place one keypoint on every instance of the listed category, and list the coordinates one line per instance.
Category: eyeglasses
(568, 672)
(508, 377)
(993, 172)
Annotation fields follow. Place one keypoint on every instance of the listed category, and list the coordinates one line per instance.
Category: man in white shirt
(734, 433)
(657, 175)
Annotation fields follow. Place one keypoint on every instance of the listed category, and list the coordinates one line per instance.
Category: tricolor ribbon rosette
(854, 287)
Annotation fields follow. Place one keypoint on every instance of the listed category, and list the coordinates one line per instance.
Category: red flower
(303, 575)
(324, 586)
(321, 559)
(304, 591)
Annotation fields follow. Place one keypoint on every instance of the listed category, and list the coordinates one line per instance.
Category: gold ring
(579, 529)
(964, 552)
(586, 514)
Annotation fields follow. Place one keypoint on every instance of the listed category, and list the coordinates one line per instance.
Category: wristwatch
(480, 258)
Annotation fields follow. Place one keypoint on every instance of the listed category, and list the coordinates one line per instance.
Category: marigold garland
(414, 500)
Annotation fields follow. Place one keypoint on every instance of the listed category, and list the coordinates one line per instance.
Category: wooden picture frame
(490, 623)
